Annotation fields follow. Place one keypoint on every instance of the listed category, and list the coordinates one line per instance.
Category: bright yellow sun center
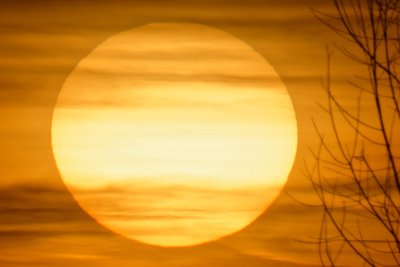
(174, 134)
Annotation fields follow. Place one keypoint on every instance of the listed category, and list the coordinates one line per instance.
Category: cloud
(42, 41)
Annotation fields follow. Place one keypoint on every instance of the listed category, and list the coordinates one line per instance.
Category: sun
(174, 134)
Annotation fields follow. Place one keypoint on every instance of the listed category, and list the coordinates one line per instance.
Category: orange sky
(40, 44)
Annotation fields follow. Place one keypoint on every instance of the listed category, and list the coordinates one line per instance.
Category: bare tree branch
(356, 176)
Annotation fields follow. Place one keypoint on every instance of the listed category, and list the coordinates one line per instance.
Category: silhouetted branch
(356, 172)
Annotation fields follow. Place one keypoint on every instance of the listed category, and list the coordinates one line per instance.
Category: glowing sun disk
(174, 134)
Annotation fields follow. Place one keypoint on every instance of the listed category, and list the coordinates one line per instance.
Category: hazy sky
(40, 44)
